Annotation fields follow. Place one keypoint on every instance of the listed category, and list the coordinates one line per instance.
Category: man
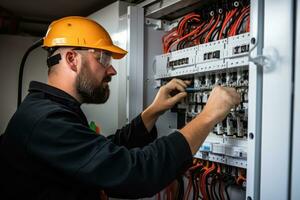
(48, 150)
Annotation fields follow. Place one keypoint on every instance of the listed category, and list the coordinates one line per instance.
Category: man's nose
(111, 71)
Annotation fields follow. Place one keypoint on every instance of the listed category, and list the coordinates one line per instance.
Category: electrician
(48, 150)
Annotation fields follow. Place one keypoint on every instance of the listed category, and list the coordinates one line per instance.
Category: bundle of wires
(194, 29)
(206, 180)
(187, 26)
(193, 174)
(174, 191)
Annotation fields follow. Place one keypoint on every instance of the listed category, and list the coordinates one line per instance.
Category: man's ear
(72, 60)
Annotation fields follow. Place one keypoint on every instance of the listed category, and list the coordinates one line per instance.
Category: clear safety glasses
(103, 57)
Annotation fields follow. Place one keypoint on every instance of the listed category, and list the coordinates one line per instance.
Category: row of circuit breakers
(223, 62)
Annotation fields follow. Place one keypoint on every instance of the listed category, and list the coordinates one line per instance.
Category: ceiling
(31, 17)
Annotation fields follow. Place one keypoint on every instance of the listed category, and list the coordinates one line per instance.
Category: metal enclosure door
(277, 100)
(255, 102)
(295, 173)
(135, 64)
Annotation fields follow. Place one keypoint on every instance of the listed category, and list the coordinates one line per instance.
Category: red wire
(212, 30)
(188, 190)
(202, 186)
(203, 181)
(182, 38)
(233, 30)
(183, 23)
(172, 38)
(158, 196)
(229, 16)
(248, 24)
(239, 21)
(205, 29)
(168, 38)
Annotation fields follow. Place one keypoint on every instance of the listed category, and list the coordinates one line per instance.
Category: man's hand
(164, 100)
(169, 94)
(219, 104)
(220, 101)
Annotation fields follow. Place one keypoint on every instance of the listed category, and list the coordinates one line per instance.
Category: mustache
(107, 79)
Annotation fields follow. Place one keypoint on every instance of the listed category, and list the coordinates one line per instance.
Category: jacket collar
(59, 94)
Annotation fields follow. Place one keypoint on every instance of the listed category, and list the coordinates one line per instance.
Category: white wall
(112, 114)
(12, 50)
(109, 116)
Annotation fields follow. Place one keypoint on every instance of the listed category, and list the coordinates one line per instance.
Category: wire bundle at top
(194, 28)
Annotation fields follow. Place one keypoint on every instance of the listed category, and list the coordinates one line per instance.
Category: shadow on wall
(12, 50)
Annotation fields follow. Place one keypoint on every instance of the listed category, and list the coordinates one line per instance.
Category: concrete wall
(12, 49)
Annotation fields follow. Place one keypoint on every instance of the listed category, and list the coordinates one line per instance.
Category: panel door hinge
(268, 60)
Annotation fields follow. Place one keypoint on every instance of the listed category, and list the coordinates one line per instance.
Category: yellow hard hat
(80, 32)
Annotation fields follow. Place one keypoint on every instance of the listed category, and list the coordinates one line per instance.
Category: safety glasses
(103, 57)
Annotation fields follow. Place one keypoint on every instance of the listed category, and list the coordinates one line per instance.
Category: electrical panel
(224, 63)
(210, 48)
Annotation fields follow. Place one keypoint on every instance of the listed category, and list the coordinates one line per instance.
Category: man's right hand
(219, 104)
(164, 99)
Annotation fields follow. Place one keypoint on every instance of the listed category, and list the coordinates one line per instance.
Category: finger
(237, 99)
(180, 87)
(181, 82)
(175, 86)
(235, 96)
(177, 98)
(187, 82)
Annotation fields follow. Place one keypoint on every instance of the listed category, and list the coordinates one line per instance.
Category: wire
(243, 25)
(214, 179)
(188, 190)
(228, 17)
(195, 191)
(180, 188)
(236, 24)
(21, 70)
(212, 30)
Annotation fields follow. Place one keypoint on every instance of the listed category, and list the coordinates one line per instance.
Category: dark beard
(88, 89)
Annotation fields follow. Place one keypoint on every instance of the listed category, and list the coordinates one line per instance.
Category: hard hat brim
(117, 52)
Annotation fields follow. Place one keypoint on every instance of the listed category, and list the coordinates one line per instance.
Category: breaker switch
(216, 54)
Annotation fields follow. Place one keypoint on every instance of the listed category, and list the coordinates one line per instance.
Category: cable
(221, 190)
(188, 190)
(21, 70)
(212, 29)
(233, 30)
(195, 191)
(180, 188)
(229, 16)
(204, 188)
(213, 183)
(243, 24)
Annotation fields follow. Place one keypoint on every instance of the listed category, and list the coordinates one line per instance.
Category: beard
(89, 89)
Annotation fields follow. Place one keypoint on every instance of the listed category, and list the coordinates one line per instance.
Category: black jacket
(48, 151)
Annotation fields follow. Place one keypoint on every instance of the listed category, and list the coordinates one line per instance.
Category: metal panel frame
(255, 102)
(165, 7)
(277, 101)
(295, 173)
(135, 67)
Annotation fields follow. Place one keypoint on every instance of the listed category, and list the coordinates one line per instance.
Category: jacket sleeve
(61, 141)
(134, 134)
